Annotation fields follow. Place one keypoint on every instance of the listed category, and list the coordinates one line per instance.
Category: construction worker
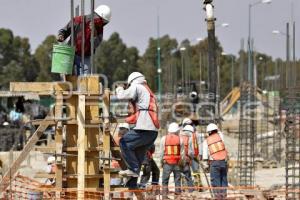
(51, 169)
(171, 154)
(149, 167)
(185, 136)
(143, 118)
(214, 150)
(101, 18)
(195, 147)
(123, 129)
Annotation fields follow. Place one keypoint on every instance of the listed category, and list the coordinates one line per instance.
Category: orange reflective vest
(195, 144)
(216, 147)
(172, 149)
(152, 110)
(185, 139)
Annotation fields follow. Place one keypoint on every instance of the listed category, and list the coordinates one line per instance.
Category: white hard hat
(51, 160)
(124, 125)
(5, 123)
(104, 12)
(173, 128)
(186, 121)
(133, 76)
(211, 127)
(188, 128)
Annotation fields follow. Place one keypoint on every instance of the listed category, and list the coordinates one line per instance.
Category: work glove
(181, 163)
(162, 162)
(60, 38)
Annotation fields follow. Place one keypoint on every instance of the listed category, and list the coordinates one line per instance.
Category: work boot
(128, 172)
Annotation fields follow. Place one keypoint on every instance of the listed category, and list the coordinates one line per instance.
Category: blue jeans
(195, 166)
(218, 177)
(188, 177)
(167, 170)
(86, 66)
(134, 145)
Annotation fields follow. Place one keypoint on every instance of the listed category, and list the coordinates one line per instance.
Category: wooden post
(106, 142)
(58, 142)
(81, 147)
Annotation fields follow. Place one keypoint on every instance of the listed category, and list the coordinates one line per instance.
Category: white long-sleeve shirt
(141, 96)
(200, 140)
(206, 155)
(162, 148)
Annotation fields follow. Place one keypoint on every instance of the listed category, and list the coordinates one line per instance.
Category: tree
(115, 60)
(43, 56)
(148, 62)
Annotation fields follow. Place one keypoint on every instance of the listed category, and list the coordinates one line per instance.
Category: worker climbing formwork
(144, 118)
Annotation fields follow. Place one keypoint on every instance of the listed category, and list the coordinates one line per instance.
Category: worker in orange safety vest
(215, 151)
(171, 154)
(185, 135)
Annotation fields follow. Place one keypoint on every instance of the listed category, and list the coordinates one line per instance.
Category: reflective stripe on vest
(152, 110)
(185, 139)
(195, 144)
(172, 149)
(216, 147)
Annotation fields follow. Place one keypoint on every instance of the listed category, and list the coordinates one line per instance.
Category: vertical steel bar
(92, 70)
(72, 23)
(82, 37)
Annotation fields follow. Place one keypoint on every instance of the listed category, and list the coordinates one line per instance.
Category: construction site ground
(269, 181)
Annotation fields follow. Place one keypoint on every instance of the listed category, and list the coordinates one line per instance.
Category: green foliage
(43, 57)
(115, 60)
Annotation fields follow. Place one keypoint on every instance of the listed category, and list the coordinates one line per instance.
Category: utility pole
(212, 66)
(158, 60)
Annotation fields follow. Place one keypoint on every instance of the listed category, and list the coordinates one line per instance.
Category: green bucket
(62, 59)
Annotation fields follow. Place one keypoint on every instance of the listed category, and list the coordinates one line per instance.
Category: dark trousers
(167, 170)
(134, 146)
(149, 168)
(186, 171)
(218, 177)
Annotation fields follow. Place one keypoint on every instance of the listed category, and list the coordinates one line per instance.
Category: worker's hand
(162, 162)
(181, 163)
(60, 38)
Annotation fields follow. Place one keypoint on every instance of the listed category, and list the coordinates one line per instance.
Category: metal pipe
(249, 45)
(92, 70)
(294, 55)
(288, 56)
(72, 23)
(82, 37)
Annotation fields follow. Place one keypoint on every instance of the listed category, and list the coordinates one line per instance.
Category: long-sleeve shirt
(206, 155)
(98, 34)
(200, 140)
(138, 93)
(162, 148)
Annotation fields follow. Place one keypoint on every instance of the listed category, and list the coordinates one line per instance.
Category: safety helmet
(211, 127)
(173, 128)
(186, 121)
(104, 12)
(51, 160)
(124, 125)
(133, 76)
(188, 128)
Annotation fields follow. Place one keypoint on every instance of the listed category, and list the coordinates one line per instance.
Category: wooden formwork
(76, 114)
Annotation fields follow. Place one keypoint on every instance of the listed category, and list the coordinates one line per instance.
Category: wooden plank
(23, 155)
(81, 147)
(58, 114)
(106, 142)
(40, 86)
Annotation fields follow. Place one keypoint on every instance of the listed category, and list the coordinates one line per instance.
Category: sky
(136, 21)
